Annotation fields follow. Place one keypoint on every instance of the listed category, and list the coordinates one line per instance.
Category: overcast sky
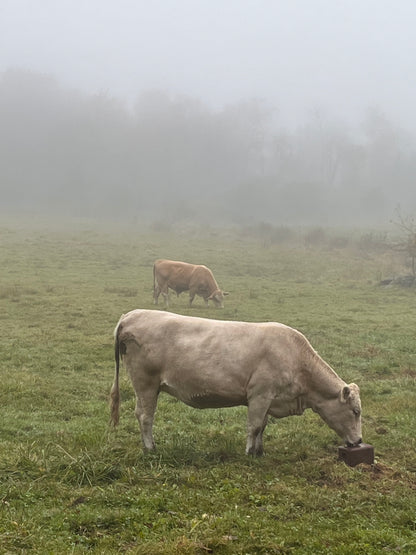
(340, 56)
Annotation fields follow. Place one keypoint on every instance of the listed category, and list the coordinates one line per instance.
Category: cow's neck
(322, 381)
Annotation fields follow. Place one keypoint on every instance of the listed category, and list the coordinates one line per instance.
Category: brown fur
(182, 276)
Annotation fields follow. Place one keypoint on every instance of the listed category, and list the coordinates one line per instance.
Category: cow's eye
(356, 412)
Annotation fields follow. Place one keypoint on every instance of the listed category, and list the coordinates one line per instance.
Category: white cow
(269, 367)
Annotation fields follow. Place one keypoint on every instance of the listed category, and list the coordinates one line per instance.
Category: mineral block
(363, 453)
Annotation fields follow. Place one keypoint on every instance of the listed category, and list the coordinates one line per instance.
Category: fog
(226, 112)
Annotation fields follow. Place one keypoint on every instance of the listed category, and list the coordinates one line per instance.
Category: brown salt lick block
(363, 453)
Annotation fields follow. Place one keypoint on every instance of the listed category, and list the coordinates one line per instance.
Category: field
(71, 484)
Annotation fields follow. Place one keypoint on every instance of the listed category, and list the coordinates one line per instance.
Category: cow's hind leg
(256, 422)
(145, 413)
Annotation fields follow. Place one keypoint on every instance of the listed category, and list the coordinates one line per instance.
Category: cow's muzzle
(354, 444)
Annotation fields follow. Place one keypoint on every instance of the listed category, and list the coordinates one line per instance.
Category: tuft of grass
(121, 291)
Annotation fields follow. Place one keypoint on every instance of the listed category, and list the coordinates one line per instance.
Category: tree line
(173, 158)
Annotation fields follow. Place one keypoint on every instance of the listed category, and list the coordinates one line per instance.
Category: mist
(237, 112)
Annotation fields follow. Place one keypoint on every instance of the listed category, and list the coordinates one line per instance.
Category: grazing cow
(269, 367)
(181, 276)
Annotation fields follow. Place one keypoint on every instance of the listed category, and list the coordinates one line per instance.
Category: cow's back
(189, 342)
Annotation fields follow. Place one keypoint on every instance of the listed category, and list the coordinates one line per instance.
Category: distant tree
(388, 151)
(407, 241)
(321, 145)
(173, 157)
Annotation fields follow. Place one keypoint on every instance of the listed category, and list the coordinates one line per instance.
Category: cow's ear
(346, 392)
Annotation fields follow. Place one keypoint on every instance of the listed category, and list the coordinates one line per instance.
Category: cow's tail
(154, 283)
(115, 390)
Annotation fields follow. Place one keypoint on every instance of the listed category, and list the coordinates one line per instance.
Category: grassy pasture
(70, 484)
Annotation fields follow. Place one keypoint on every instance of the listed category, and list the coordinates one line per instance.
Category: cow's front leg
(145, 412)
(256, 422)
(165, 293)
(156, 294)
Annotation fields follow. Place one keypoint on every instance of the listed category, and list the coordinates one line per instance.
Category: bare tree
(407, 241)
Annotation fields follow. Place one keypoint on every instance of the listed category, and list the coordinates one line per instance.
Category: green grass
(71, 484)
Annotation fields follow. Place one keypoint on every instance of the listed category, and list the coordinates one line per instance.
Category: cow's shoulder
(201, 270)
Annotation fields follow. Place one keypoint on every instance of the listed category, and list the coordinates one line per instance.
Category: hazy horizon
(242, 111)
(337, 57)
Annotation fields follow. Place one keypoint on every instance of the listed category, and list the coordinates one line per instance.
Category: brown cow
(180, 277)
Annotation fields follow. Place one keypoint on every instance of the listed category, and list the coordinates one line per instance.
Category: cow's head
(218, 298)
(343, 414)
